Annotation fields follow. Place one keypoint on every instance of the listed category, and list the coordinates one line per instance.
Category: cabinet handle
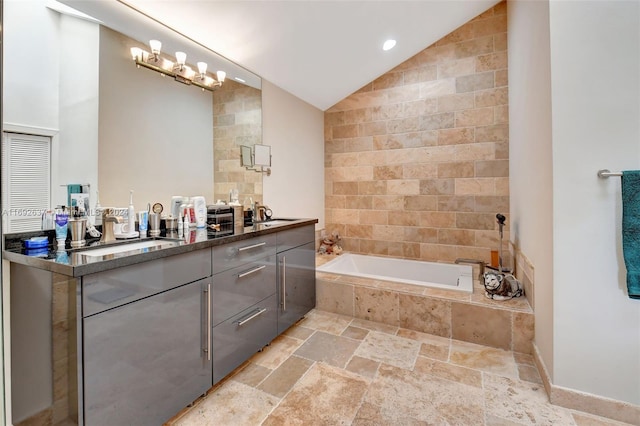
(251, 316)
(244, 274)
(208, 348)
(284, 284)
(252, 246)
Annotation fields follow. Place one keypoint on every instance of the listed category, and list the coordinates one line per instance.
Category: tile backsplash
(417, 161)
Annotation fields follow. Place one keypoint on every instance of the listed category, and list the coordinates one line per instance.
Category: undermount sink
(275, 222)
(122, 248)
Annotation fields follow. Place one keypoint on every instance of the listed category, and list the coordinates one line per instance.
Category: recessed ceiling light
(389, 44)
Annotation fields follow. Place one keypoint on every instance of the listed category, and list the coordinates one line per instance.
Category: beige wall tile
(456, 136)
(475, 221)
(501, 78)
(474, 47)
(420, 171)
(523, 332)
(472, 83)
(457, 102)
(491, 61)
(421, 202)
(492, 97)
(376, 305)
(428, 315)
(438, 219)
(479, 186)
(492, 168)
(457, 68)
(474, 117)
(421, 74)
(374, 217)
(421, 235)
(334, 297)
(358, 202)
(477, 324)
(456, 169)
(425, 142)
(404, 219)
(458, 237)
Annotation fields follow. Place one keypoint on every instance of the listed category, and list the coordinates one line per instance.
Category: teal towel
(631, 230)
(73, 188)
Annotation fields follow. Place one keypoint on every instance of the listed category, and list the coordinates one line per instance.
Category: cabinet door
(145, 361)
(297, 284)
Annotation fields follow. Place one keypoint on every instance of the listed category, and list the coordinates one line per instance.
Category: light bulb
(221, 76)
(156, 45)
(181, 58)
(202, 67)
(136, 53)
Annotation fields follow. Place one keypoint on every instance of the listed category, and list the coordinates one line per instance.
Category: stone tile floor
(331, 369)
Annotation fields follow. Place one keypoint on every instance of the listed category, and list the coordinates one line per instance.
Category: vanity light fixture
(179, 70)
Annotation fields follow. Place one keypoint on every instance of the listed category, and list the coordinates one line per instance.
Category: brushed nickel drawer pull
(244, 274)
(208, 350)
(252, 246)
(284, 284)
(251, 316)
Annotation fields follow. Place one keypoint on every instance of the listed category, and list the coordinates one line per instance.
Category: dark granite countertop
(72, 262)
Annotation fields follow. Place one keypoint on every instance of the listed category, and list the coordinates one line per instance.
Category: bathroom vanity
(159, 323)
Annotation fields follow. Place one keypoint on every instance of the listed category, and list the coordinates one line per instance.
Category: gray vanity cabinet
(296, 275)
(146, 348)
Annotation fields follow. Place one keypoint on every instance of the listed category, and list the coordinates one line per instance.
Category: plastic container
(36, 242)
(143, 221)
(62, 221)
(200, 211)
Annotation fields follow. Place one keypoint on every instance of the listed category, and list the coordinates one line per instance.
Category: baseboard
(586, 402)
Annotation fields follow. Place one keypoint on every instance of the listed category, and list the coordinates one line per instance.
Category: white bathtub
(427, 274)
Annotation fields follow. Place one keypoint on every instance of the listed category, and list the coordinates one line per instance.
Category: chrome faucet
(481, 263)
(258, 213)
(108, 219)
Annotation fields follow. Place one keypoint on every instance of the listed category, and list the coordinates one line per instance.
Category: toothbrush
(132, 214)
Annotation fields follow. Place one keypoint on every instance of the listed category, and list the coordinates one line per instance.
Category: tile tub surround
(377, 374)
(417, 161)
(472, 317)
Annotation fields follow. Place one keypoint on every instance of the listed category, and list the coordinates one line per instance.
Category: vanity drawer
(295, 237)
(108, 289)
(238, 338)
(232, 255)
(238, 289)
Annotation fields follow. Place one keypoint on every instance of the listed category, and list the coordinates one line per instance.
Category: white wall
(49, 91)
(30, 89)
(530, 155)
(156, 135)
(77, 156)
(595, 72)
(295, 131)
(574, 73)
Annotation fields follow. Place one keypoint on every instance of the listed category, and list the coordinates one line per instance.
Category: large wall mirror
(71, 79)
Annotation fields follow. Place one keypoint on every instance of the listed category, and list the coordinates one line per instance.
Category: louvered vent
(26, 181)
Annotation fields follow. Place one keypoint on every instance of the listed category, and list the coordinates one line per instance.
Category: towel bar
(606, 173)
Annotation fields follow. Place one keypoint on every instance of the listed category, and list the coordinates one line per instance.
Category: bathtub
(428, 274)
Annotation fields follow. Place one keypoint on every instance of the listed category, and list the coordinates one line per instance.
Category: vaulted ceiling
(320, 51)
